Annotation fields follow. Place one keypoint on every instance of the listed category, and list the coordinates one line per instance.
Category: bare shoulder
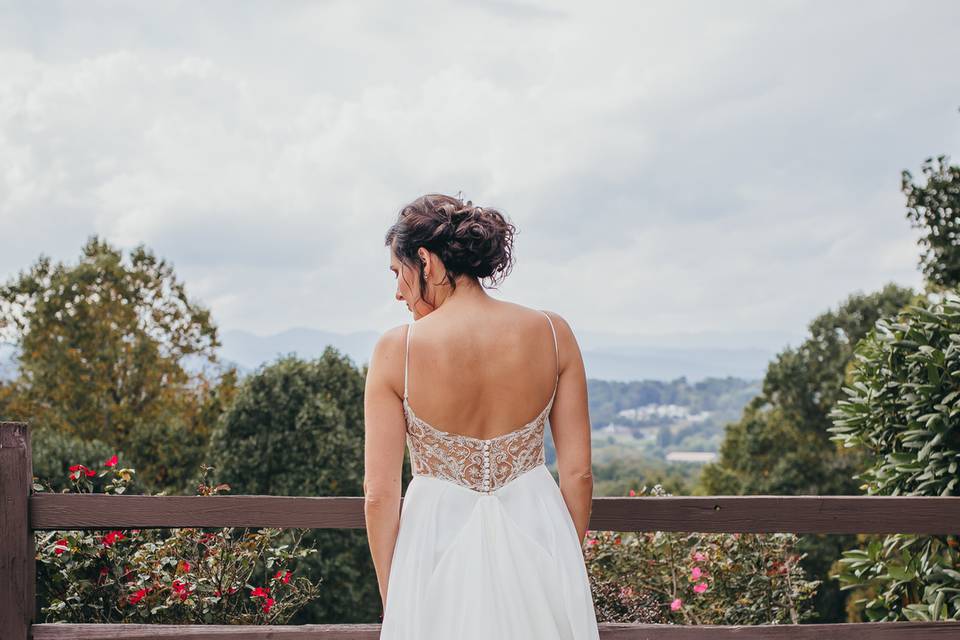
(391, 340)
(559, 322)
(566, 340)
(387, 352)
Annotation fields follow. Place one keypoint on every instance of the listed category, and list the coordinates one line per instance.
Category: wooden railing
(23, 513)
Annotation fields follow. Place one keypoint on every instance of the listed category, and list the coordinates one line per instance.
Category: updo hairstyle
(469, 240)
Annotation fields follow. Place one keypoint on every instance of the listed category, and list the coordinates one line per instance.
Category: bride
(486, 544)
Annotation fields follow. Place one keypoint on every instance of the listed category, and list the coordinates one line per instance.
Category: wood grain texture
(735, 514)
(18, 569)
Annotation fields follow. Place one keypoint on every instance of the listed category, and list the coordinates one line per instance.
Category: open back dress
(486, 548)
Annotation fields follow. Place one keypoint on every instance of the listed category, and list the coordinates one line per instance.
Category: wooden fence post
(18, 570)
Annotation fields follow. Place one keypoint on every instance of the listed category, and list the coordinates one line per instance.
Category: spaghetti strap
(556, 350)
(406, 353)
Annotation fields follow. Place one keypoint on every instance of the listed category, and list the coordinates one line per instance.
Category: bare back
(485, 377)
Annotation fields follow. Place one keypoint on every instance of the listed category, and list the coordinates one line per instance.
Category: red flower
(77, 468)
(267, 604)
(282, 576)
(61, 546)
(139, 595)
(186, 567)
(182, 589)
(112, 537)
(111, 462)
(632, 492)
(260, 592)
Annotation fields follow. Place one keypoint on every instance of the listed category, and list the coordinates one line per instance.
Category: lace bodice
(480, 464)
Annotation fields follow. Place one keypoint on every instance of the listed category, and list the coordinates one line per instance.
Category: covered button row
(486, 466)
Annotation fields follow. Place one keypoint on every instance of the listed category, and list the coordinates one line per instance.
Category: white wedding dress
(486, 547)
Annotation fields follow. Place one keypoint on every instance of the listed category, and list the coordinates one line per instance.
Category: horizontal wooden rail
(733, 514)
(608, 631)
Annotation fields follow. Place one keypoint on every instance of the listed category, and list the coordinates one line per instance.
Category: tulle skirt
(472, 566)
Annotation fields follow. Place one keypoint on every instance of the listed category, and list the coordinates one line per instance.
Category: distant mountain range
(606, 356)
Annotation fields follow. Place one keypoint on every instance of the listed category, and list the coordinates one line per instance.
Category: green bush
(697, 578)
(902, 409)
(295, 428)
(54, 452)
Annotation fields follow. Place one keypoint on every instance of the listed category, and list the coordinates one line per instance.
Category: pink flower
(632, 492)
(676, 604)
(699, 557)
(700, 587)
(695, 573)
(626, 592)
(111, 462)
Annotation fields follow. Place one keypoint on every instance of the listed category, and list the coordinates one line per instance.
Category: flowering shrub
(697, 578)
(179, 576)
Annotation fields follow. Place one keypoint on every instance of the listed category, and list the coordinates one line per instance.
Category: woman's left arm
(384, 442)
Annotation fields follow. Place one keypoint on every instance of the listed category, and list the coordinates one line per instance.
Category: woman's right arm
(570, 425)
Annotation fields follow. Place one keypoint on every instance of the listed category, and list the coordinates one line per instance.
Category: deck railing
(23, 513)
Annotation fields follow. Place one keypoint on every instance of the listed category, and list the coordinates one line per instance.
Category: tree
(782, 446)
(296, 428)
(103, 352)
(934, 207)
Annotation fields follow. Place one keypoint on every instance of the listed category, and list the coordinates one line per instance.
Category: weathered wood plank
(17, 564)
(608, 631)
(733, 514)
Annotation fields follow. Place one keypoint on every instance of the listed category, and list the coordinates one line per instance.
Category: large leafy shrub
(903, 409)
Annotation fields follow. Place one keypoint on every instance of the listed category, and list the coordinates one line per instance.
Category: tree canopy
(102, 344)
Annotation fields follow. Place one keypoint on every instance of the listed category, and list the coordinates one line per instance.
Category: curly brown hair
(469, 240)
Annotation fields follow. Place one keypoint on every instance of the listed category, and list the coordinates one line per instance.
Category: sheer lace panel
(480, 464)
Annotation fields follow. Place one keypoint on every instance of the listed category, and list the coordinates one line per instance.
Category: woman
(486, 544)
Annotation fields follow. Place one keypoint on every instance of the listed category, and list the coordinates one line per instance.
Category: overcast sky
(722, 170)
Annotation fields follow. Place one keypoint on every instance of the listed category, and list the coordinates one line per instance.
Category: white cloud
(675, 167)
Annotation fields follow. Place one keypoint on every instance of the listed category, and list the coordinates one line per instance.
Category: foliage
(184, 576)
(697, 578)
(619, 475)
(296, 428)
(111, 349)
(781, 445)
(933, 207)
(903, 411)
